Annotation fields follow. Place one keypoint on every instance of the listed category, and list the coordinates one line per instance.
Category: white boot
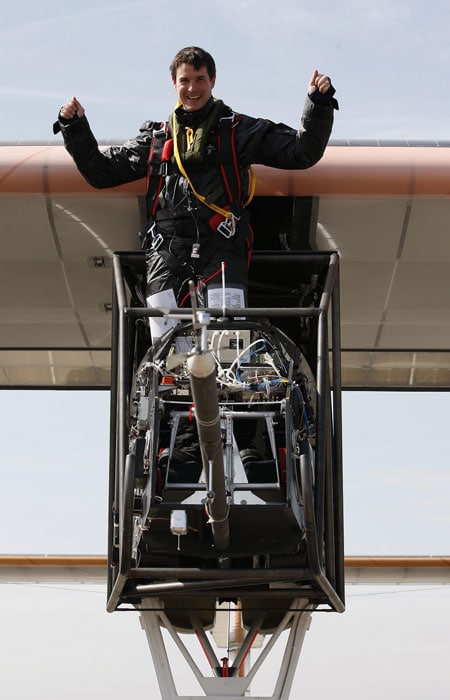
(158, 324)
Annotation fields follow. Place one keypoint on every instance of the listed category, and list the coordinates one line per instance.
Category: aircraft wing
(385, 208)
(33, 569)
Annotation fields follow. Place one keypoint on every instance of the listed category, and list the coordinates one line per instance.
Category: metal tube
(321, 423)
(121, 393)
(193, 573)
(312, 542)
(323, 389)
(204, 393)
(112, 441)
(214, 312)
(329, 539)
(171, 586)
(337, 436)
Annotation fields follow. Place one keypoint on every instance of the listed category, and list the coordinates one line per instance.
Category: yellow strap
(211, 205)
(189, 137)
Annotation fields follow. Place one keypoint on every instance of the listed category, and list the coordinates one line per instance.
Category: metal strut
(223, 682)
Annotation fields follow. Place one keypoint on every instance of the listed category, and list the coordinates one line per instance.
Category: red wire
(202, 283)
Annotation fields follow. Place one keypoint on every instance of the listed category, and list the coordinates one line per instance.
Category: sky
(389, 63)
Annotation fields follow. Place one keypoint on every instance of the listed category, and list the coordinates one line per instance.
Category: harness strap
(219, 210)
(154, 174)
(230, 169)
(160, 154)
(162, 148)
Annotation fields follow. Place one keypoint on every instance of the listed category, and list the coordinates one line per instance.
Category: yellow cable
(219, 210)
(211, 205)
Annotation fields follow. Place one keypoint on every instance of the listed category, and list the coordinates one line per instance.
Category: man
(199, 178)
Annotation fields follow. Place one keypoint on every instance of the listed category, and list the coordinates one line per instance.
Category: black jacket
(257, 141)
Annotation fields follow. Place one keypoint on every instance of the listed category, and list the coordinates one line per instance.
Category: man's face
(193, 87)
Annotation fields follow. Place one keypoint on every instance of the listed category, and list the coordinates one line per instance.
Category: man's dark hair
(196, 57)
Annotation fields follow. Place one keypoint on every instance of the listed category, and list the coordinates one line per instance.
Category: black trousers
(179, 259)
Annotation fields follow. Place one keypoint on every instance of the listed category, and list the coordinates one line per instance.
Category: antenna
(224, 301)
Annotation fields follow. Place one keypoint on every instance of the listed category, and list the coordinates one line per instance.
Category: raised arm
(108, 167)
